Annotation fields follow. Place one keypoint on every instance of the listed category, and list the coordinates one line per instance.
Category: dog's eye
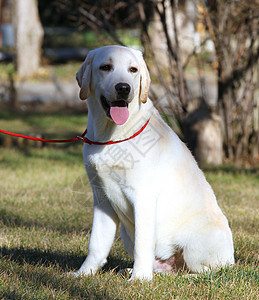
(106, 68)
(133, 70)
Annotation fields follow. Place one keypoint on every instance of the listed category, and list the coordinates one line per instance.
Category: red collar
(86, 140)
(81, 137)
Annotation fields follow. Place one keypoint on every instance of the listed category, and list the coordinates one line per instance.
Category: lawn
(45, 223)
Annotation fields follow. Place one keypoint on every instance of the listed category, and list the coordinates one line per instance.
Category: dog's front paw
(143, 276)
(80, 273)
(76, 274)
(72, 274)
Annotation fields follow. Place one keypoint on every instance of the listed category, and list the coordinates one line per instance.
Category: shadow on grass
(11, 295)
(65, 261)
(35, 271)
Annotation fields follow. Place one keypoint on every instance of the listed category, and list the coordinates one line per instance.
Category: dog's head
(114, 75)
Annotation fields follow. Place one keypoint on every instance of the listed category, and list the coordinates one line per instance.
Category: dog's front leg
(105, 223)
(144, 248)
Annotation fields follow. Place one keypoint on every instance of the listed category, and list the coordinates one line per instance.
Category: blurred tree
(234, 28)
(169, 37)
(52, 16)
(29, 34)
(107, 15)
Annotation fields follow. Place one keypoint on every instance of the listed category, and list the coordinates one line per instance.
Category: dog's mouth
(116, 110)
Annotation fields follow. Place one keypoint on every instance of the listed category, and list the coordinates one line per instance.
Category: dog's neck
(101, 128)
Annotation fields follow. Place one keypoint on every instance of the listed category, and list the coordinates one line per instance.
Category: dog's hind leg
(210, 250)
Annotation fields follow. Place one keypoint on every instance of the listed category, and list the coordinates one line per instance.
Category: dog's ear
(144, 77)
(144, 82)
(83, 76)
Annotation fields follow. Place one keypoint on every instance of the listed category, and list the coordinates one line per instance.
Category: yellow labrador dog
(149, 184)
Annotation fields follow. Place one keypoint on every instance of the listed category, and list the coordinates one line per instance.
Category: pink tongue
(119, 114)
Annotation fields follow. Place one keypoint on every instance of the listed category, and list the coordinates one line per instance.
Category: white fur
(151, 185)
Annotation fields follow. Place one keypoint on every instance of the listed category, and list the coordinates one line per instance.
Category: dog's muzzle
(117, 109)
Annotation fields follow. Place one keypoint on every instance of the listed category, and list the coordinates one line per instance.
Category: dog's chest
(111, 169)
(113, 161)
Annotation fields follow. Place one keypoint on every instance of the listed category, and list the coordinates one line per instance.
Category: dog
(147, 182)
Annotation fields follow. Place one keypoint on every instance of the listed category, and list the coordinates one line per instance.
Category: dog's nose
(123, 89)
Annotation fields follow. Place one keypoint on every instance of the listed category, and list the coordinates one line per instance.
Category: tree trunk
(203, 135)
(233, 27)
(29, 34)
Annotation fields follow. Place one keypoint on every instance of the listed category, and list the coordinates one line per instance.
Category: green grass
(64, 72)
(54, 124)
(45, 223)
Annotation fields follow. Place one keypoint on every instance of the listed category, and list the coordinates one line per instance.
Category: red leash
(42, 140)
(81, 137)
